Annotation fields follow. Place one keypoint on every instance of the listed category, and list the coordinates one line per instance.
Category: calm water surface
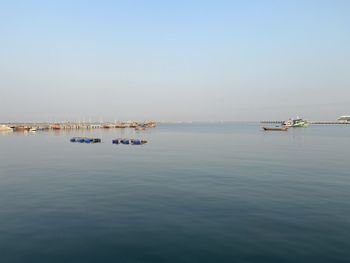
(194, 193)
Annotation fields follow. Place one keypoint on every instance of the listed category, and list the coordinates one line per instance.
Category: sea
(196, 192)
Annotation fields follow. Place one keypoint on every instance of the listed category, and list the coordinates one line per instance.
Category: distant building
(345, 118)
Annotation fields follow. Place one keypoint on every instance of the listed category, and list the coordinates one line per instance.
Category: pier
(330, 122)
(312, 122)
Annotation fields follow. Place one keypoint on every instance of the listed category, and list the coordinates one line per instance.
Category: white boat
(296, 122)
(345, 118)
(5, 128)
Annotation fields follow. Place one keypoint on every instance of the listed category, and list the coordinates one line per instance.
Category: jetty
(312, 122)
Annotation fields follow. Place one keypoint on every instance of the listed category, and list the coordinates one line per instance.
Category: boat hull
(275, 129)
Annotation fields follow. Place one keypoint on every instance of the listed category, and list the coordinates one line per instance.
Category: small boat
(108, 126)
(116, 141)
(33, 129)
(137, 141)
(5, 128)
(56, 126)
(150, 124)
(121, 125)
(133, 125)
(77, 139)
(85, 140)
(275, 128)
(140, 128)
(125, 141)
(21, 128)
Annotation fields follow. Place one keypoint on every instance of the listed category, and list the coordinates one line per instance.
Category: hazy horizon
(180, 60)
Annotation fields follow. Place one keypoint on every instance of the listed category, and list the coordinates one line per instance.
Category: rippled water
(194, 193)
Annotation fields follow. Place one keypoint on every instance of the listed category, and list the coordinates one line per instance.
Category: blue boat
(76, 139)
(137, 141)
(116, 141)
(125, 141)
(85, 140)
(129, 141)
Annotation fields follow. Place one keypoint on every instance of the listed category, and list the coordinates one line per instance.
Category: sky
(174, 60)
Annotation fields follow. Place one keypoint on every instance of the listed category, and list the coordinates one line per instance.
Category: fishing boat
(296, 123)
(275, 128)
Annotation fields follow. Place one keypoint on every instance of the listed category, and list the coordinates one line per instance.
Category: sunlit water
(194, 193)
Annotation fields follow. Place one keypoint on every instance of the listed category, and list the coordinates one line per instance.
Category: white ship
(344, 118)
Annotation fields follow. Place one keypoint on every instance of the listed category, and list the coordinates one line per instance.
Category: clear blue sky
(174, 60)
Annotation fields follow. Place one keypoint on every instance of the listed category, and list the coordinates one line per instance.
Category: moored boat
(121, 125)
(108, 126)
(296, 123)
(56, 126)
(140, 128)
(275, 128)
(125, 141)
(116, 141)
(85, 140)
(129, 141)
(5, 128)
(21, 128)
(137, 141)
